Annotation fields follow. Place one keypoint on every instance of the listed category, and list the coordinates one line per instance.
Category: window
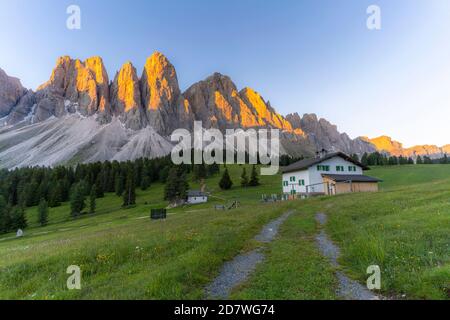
(292, 179)
(352, 168)
(285, 183)
(323, 168)
(340, 169)
(293, 192)
(301, 182)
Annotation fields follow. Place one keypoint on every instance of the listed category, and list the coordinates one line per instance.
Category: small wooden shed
(338, 183)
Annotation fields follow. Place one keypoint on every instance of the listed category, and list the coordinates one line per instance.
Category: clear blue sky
(304, 56)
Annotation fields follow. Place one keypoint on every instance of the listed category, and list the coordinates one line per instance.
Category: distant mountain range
(79, 115)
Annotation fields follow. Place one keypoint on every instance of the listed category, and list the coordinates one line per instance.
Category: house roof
(350, 177)
(307, 163)
(196, 193)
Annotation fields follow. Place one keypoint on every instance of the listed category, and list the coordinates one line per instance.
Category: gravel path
(236, 271)
(348, 289)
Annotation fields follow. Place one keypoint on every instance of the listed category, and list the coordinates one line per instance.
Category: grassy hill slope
(122, 254)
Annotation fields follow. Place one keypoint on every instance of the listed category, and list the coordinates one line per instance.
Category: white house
(330, 174)
(196, 197)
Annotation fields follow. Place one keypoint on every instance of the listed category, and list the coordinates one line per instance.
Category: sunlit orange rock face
(161, 94)
(126, 97)
(217, 103)
(85, 83)
(96, 66)
(264, 112)
(386, 144)
(159, 83)
(125, 89)
(395, 148)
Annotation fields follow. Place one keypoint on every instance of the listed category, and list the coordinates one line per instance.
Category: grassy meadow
(404, 229)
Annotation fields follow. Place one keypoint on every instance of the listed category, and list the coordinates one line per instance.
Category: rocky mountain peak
(11, 91)
(159, 83)
(386, 144)
(161, 96)
(84, 84)
(126, 97)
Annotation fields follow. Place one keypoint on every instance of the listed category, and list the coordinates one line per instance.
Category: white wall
(313, 176)
(195, 200)
(299, 175)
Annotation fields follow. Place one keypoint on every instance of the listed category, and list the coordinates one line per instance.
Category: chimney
(322, 153)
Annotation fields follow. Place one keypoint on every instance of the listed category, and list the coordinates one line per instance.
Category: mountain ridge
(143, 112)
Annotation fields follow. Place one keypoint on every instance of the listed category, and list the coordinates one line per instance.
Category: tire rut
(237, 271)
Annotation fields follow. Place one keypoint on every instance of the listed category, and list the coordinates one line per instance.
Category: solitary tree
(43, 212)
(225, 183)
(244, 178)
(254, 180)
(92, 199)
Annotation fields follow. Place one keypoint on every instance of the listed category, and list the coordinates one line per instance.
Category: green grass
(123, 255)
(404, 229)
(294, 269)
(409, 175)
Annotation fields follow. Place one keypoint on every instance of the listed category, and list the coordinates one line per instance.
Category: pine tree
(177, 185)
(419, 160)
(5, 216)
(145, 183)
(92, 199)
(244, 178)
(77, 200)
(200, 172)
(119, 184)
(55, 196)
(364, 159)
(43, 212)
(171, 188)
(99, 186)
(225, 183)
(213, 169)
(183, 186)
(19, 220)
(129, 194)
(254, 180)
